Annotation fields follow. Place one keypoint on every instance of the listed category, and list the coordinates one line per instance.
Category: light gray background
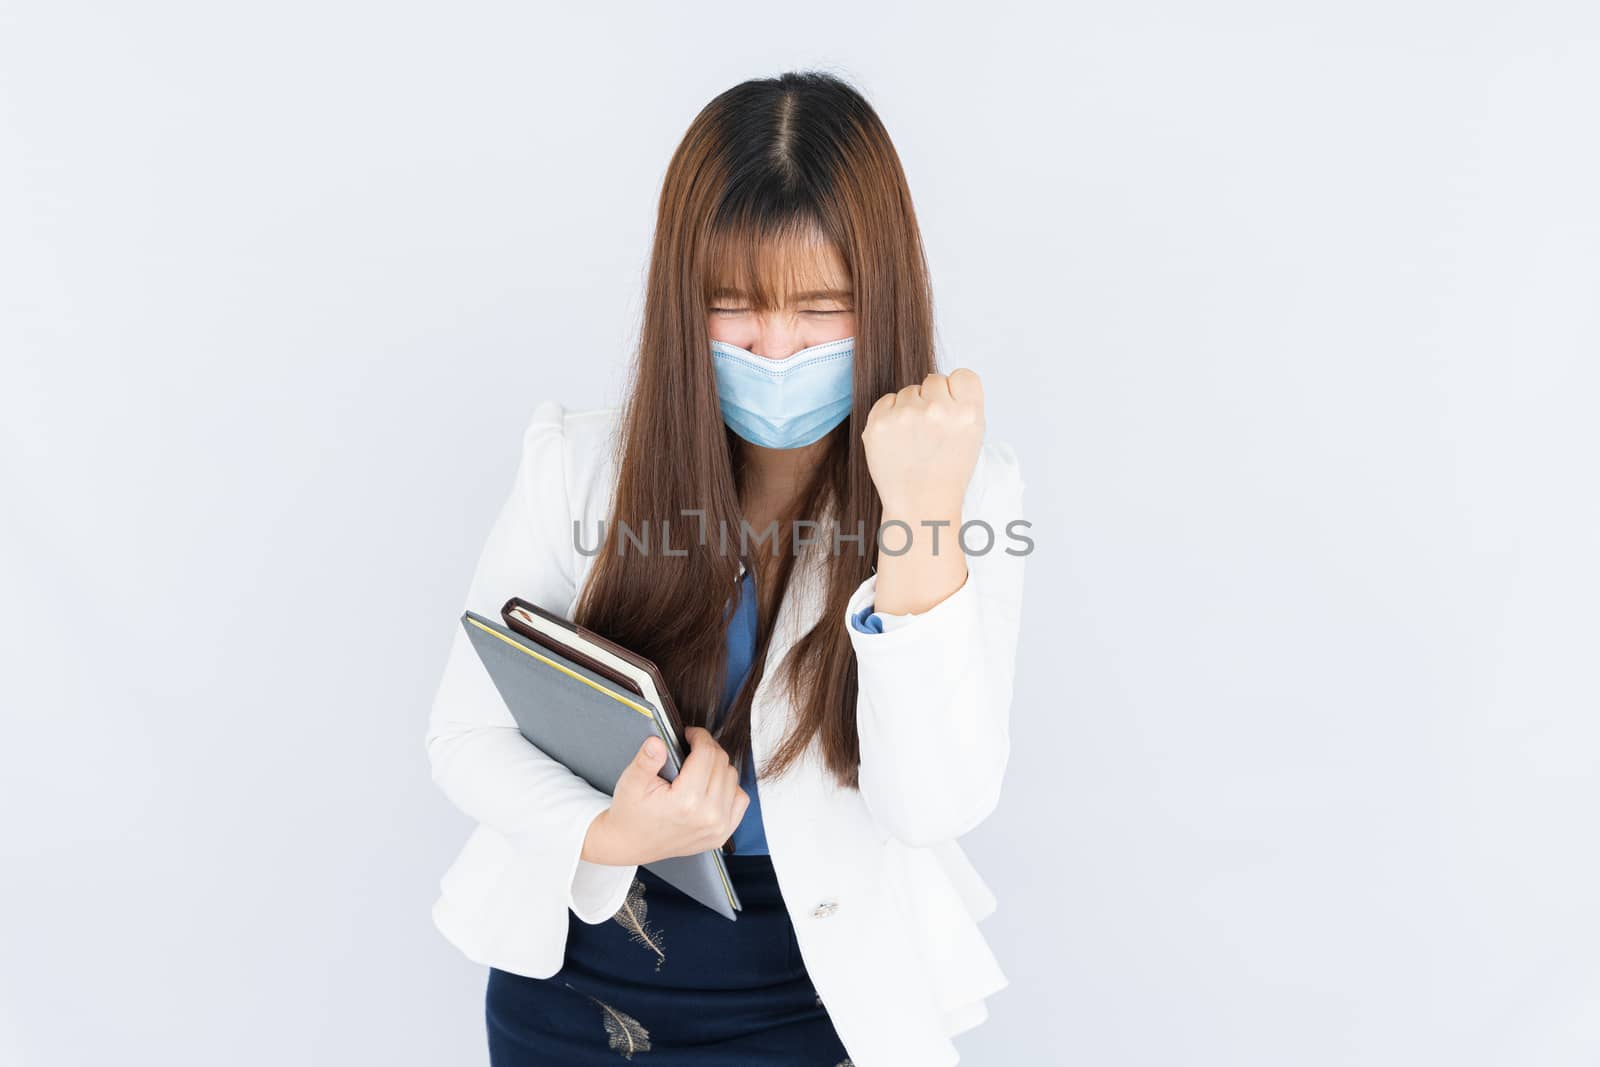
(1291, 318)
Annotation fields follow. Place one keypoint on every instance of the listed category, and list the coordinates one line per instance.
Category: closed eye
(746, 311)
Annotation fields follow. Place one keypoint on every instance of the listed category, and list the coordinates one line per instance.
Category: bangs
(765, 264)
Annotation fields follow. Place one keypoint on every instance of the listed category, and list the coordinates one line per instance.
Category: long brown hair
(768, 166)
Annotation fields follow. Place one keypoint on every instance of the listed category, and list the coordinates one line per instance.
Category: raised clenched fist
(922, 443)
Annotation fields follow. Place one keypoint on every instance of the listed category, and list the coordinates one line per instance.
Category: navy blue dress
(666, 980)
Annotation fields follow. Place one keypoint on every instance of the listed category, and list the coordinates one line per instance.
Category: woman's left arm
(934, 689)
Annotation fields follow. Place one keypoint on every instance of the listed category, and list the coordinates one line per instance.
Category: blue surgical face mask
(784, 403)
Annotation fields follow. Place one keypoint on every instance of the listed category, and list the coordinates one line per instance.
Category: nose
(778, 337)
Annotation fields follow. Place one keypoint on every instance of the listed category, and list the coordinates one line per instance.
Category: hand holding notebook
(590, 704)
(653, 817)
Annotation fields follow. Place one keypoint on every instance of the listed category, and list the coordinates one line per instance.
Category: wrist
(915, 510)
(930, 531)
(597, 841)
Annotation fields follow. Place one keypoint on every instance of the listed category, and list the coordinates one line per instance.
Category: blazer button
(826, 908)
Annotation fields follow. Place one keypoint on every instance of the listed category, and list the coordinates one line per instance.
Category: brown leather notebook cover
(669, 709)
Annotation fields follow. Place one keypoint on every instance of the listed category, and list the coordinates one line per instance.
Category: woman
(785, 383)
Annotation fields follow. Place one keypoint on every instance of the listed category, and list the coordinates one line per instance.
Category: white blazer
(884, 902)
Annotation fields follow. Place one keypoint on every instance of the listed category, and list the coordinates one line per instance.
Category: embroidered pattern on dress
(623, 1030)
(632, 915)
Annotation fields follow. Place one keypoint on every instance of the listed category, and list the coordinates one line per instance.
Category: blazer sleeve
(933, 704)
(478, 756)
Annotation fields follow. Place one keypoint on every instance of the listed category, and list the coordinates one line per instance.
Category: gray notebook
(593, 725)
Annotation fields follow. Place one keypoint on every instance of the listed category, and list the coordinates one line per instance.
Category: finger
(651, 756)
(642, 771)
(722, 800)
(741, 803)
(719, 794)
(693, 765)
(698, 764)
(966, 386)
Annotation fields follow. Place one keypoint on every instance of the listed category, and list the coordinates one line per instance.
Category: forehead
(777, 271)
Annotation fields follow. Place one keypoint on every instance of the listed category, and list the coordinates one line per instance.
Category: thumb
(652, 754)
